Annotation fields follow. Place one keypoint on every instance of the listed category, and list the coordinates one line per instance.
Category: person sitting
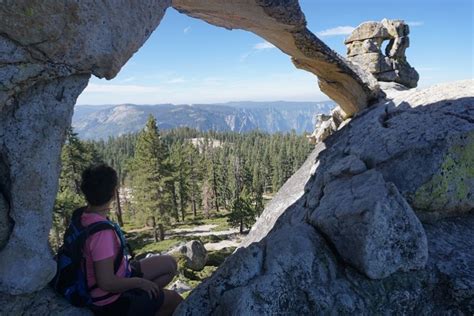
(136, 288)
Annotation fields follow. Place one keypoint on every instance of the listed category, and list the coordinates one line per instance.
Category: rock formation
(355, 215)
(364, 49)
(283, 24)
(49, 49)
(411, 146)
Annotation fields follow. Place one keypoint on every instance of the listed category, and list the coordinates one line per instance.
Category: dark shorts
(136, 269)
(132, 302)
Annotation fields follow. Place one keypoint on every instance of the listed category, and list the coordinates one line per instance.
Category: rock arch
(49, 49)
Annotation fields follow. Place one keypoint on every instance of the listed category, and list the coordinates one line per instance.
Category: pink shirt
(100, 246)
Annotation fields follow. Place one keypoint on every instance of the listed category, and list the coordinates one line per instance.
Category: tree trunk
(119, 208)
(241, 226)
(175, 204)
(214, 188)
(155, 233)
(162, 231)
(193, 205)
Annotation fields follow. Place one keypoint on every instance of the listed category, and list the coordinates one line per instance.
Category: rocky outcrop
(325, 126)
(283, 24)
(356, 218)
(45, 302)
(364, 49)
(48, 50)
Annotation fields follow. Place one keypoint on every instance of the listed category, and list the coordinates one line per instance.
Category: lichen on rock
(450, 191)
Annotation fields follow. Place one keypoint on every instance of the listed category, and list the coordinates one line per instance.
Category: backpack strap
(101, 226)
(104, 225)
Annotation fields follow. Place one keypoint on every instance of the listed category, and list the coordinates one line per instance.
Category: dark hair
(98, 184)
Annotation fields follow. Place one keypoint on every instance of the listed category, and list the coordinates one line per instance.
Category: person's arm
(109, 282)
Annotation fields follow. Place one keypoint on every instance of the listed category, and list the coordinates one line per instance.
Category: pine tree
(151, 177)
(242, 212)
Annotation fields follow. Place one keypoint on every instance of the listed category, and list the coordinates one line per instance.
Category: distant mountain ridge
(102, 121)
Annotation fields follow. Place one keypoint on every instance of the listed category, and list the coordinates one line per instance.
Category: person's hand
(150, 287)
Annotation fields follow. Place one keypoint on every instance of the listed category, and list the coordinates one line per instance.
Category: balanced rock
(364, 49)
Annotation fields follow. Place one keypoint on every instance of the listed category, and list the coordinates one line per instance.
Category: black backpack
(70, 280)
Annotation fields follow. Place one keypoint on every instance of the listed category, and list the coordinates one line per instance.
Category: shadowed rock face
(354, 216)
(283, 24)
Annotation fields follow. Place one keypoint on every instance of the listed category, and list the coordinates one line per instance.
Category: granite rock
(293, 267)
(371, 225)
(364, 49)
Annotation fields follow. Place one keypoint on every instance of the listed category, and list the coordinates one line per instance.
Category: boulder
(180, 287)
(371, 225)
(195, 254)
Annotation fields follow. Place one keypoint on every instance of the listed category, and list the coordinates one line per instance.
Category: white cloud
(121, 89)
(186, 29)
(335, 31)
(415, 23)
(176, 80)
(263, 45)
(256, 49)
(244, 56)
(426, 68)
(129, 79)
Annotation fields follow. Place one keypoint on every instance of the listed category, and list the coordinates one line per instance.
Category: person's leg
(159, 269)
(170, 302)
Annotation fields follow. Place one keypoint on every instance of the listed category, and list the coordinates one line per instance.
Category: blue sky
(189, 61)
